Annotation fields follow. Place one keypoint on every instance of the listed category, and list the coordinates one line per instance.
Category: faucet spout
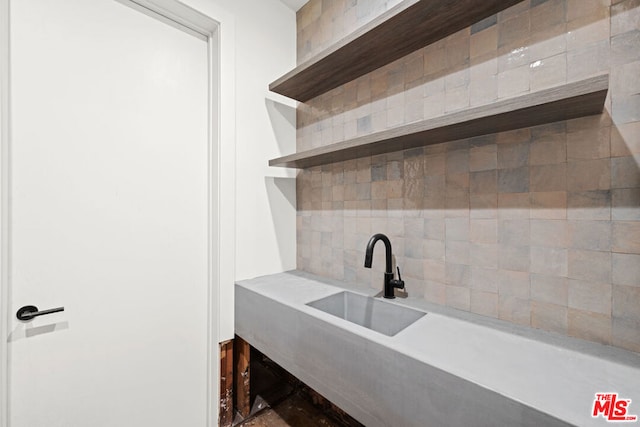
(389, 282)
(368, 257)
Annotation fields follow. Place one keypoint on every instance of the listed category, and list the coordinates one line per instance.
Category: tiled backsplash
(538, 226)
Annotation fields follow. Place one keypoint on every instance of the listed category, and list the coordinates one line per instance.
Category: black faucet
(389, 282)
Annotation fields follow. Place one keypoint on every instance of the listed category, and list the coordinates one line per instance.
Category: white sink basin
(375, 314)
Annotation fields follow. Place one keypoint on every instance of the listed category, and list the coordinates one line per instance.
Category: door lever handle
(29, 312)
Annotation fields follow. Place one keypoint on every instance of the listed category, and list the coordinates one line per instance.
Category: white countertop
(551, 373)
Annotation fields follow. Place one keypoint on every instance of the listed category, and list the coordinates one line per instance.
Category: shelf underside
(570, 101)
(403, 29)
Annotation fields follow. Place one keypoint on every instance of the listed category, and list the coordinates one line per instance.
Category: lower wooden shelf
(570, 101)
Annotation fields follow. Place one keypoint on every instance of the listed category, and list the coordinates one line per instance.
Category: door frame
(218, 28)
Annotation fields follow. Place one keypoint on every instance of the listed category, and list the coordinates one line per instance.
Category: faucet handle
(397, 283)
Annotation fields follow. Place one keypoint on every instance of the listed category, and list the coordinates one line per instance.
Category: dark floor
(280, 400)
(294, 411)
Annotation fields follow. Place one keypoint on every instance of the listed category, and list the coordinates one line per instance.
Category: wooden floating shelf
(401, 30)
(570, 101)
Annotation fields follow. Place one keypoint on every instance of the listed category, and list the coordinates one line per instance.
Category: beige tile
(457, 184)
(484, 42)
(483, 205)
(626, 300)
(589, 175)
(513, 82)
(549, 317)
(363, 191)
(514, 29)
(625, 204)
(625, 269)
(484, 303)
(549, 233)
(483, 158)
(547, 15)
(625, 172)
(590, 235)
(624, 79)
(512, 11)
(549, 205)
(588, 122)
(514, 180)
(458, 297)
(514, 136)
(378, 190)
(588, 265)
(484, 255)
(457, 252)
(457, 229)
(484, 182)
(434, 59)
(589, 144)
(433, 249)
(435, 292)
(514, 232)
(581, 9)
(549, 261)
(456, 99)
(548, 72)
(434, 270)
(588, 61)
(413, 248)
(550, 42)
(514, 258)
(457, 162)
(585, 205)
(590, 326)
(513, 205)
(512, 155)
(434, 105)
(413, 164)
(626, 334)
(484, 279)
(414, 66)
(590, 296)
(548, 178)
(413, 270)
(515, 310)
(626, 237)
(548, 150)
(483, 231)
(379, 84)
(434, 229)
(413, 188)
(363, 169)
(395, 189)
(457, 49)
(584, 32)
(434, 164)
(625, 108)
(457, 78)
(550, 289)
(483, 90)
(625, 16)
(483, 67)
(625, 139)
(514, 283)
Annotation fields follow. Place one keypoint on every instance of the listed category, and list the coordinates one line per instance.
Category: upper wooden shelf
(570, 101)
(401, 30)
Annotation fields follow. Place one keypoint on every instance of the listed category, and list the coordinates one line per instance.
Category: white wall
(259, 37)
(265, 128)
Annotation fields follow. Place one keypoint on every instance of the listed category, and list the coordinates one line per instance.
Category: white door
(108, 217)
